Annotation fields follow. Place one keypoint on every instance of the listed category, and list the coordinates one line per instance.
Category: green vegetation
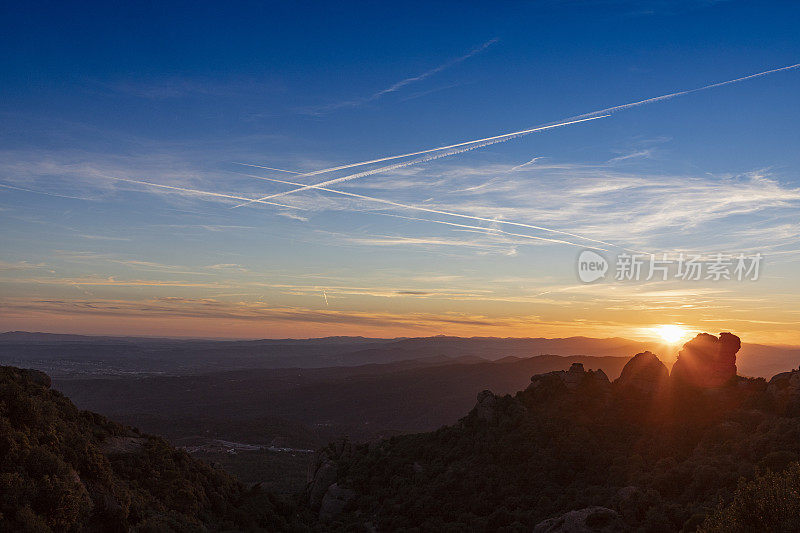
(62, 469)
(664, 463)
(664, 458)
(771, 502)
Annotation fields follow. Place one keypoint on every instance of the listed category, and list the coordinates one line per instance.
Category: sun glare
(671, 333)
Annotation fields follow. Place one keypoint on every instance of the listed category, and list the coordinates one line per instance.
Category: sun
(671, 333)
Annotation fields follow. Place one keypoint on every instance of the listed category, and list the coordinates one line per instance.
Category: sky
(131, 135)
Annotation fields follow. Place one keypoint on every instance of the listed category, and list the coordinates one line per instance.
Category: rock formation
(784, 388)
(334, 501)
(572, 378)
(588, 520)
(707, 361)
(496, 409)
(486, 406)
(323, 493)
(644, 373)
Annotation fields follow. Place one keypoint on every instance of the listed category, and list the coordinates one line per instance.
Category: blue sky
(177, 94)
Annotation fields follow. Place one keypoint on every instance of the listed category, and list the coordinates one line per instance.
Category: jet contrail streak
(450, 213)
(463, 147)
(498, 231)
(607, 110)
(690, 91)
(389, 158)
(273, 168)
(195, 191)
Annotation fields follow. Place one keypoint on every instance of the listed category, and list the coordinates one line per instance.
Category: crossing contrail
(523, 132)
(454, 214)
(195, 191)
(401, 156)
(460, 148)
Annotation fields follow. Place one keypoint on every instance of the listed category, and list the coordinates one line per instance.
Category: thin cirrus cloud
(479, 143)
(398, 85)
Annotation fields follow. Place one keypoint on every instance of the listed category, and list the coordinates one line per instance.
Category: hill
(75, 356)
(308, 407)
(653, 451)
(62, 469)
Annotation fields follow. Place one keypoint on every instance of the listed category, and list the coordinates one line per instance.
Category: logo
(591, 266)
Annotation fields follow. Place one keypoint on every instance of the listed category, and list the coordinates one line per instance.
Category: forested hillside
(62, 469)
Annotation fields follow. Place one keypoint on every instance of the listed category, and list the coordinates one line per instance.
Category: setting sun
(671, 333)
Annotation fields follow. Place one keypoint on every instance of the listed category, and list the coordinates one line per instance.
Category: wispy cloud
(398, 85)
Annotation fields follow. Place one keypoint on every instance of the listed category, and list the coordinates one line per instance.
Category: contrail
(499, 231)
(607, 110)
(453, 214)
(390, 158)
(690, 91)
(463, 147)
(195, 191)
(406, 81)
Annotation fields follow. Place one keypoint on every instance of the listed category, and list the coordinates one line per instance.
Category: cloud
(21, 266)
(441, 151)
(398, 85)
(227, 267)
(211, 309)
(640, 154)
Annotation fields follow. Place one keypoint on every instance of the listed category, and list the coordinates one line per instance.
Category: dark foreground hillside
(698, 449)
(62, 469)
(701, 448)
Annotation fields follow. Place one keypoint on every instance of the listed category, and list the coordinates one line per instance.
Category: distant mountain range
(77, 355)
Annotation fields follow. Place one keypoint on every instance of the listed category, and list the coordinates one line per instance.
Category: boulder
(784, 388)
(322, 471)
(644, 373)
(707, 361)
(487, 405)
(334, 501)
(588, 520)
(785, 384)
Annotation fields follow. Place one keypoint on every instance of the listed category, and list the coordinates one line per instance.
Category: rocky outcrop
(571, 379)
(644, 373)
(486, 406)
(588, 520)
(784, 389)
(334, 501)
(707, 361)
(496, 409)
(322, 473)
(785, 384)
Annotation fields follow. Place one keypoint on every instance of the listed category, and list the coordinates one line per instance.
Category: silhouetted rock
(322, 470)
(486, 406)
(335, 500)
(644, 373)
(572, 378)
(707, 361)
(588, 520)
(784, 388)
(496, 409)
(785, 383)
